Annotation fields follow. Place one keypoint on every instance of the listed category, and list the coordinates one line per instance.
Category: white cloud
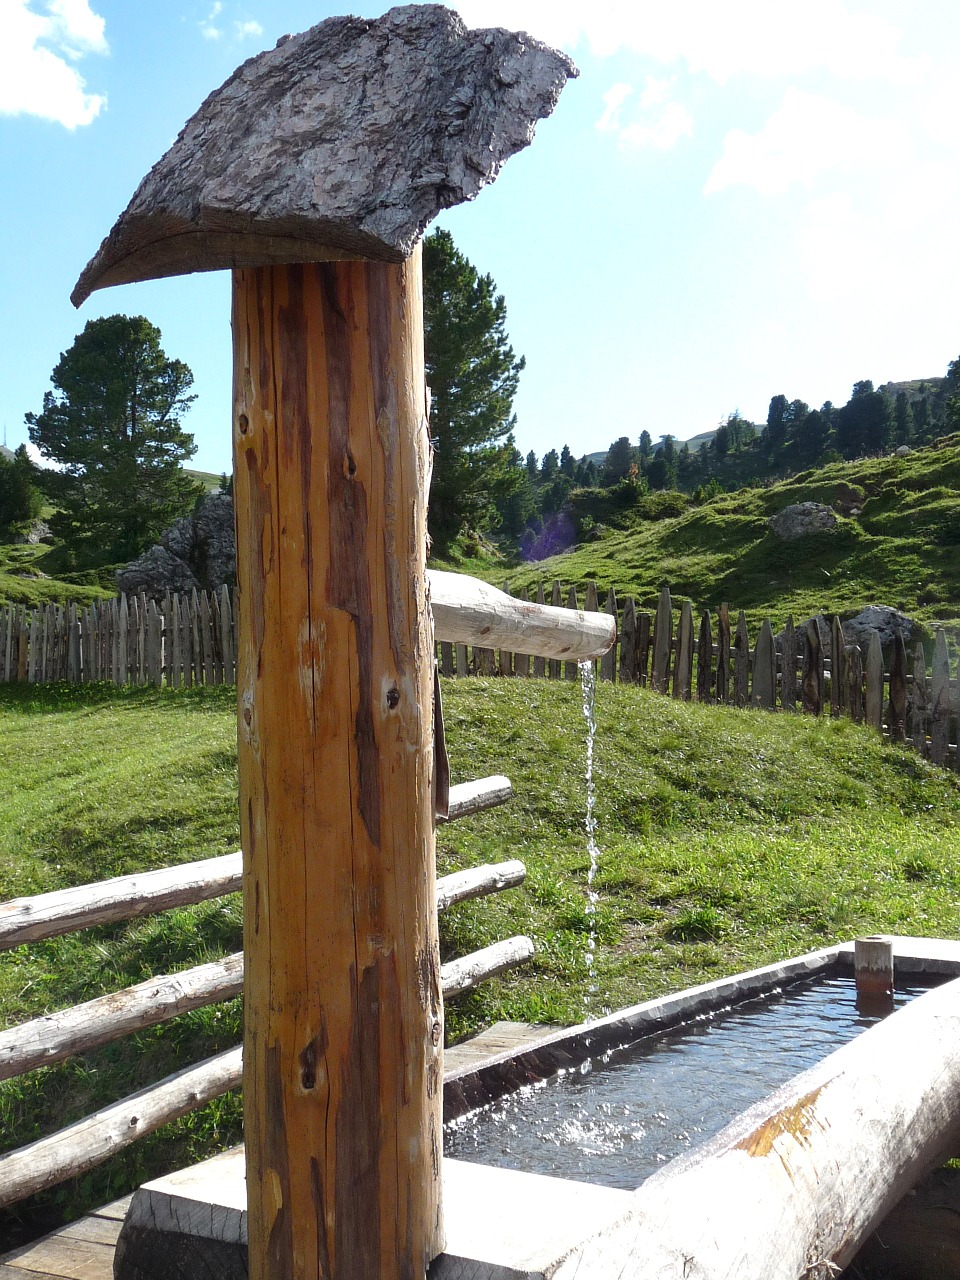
(208, 27)
(250, 28)
(37, 51)
(808, 136)
(658, 123)
(613, 101)
(754, 37)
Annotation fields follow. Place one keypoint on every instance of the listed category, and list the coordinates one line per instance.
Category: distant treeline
(739, 453)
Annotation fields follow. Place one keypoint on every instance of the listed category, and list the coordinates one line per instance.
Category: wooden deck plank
(116, 1209)
(17, 1273)
(64, 1257)
(92, 1229)
(501, 1037)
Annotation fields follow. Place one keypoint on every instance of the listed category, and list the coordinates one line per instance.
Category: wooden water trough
(796, 1188)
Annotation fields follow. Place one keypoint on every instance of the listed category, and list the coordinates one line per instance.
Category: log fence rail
(79, 1147)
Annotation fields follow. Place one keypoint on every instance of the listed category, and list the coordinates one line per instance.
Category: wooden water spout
(311, 173)
(468, 611)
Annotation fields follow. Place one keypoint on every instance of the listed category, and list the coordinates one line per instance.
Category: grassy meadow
(896, 542)
(728, 838)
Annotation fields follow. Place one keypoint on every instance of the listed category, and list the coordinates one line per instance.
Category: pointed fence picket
(128, 640)
(190, 639)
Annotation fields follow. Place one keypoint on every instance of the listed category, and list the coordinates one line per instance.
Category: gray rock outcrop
(196, 551)
(33, 535)
(801, 519)
(881, 618)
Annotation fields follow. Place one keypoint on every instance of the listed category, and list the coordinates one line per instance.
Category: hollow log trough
(312, 174)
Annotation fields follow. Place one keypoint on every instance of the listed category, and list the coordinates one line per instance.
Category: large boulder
(882, 618)
(196, 551)
(156, 572)
(215, 545)
(35, 533)
(801, 519)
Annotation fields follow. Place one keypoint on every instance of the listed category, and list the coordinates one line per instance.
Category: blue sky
(733, 200)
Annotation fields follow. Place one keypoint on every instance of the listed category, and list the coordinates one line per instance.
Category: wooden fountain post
(312, 173)
(344, 1016)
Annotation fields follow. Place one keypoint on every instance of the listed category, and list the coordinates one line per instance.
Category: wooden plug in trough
(312, 173)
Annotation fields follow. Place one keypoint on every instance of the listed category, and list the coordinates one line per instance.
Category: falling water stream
(588, 685)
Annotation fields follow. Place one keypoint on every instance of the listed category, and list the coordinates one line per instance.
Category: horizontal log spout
(468, 611)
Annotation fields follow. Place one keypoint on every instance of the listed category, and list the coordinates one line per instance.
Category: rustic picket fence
(190, 639)
(718, 662)
(182, 640)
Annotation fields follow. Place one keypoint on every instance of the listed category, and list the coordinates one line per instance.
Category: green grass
(727, 839)
(30, 576)
(902, 549)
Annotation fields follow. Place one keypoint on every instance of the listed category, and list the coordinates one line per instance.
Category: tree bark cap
(342, 142)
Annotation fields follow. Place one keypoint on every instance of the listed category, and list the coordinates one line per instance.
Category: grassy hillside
(897, 541)
(31, 576)
(727, 839)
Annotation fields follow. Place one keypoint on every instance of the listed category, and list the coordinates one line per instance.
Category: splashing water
(588, 685)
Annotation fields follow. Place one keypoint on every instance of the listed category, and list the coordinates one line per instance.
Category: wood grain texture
(897, 705)
(723, 654)
(468, 611)
(873, 692)
(82, 1146)
(741, 662)
(812, 677)
(764, 684)
(940, 699)
(662, 643)
(83, 1027)
(343, 1007)
(683, 662)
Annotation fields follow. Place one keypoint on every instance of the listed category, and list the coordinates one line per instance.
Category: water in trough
(619, 1118)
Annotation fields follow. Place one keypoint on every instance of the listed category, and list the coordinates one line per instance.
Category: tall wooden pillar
(343, 1038)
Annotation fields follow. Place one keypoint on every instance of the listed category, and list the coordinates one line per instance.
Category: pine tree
(473, 376)
(113, 425)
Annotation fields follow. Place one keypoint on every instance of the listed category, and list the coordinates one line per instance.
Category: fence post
(662, 642)
(919, 702)
(940, 699)
(723, 654)
(897, 706)
(741, 663)
(683, 665)
(764, 686)
(705, 659)
(813, 668)
(643, 649)
(226, 636)
(539, 663)
(788, 667)
(838, 683)
(608, 663)
(853, 683)
(873, 696)
(628, 642)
